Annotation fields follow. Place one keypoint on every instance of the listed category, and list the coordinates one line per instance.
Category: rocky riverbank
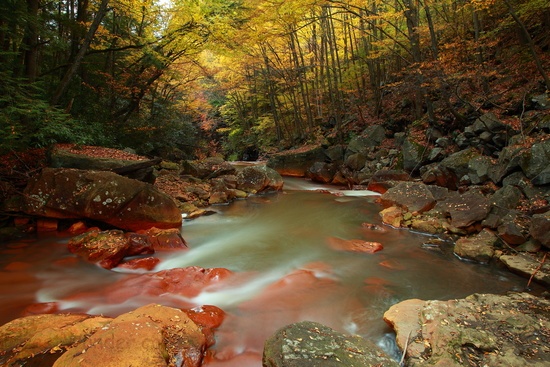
(486, 190)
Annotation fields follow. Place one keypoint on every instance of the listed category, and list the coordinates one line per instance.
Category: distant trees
(311, 67)
(105, 71)
(269, 74)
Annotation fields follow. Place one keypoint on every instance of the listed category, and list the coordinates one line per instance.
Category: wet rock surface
(151, 335)
(102, 196)
(309, 344)
(41, 339)
(480, 330)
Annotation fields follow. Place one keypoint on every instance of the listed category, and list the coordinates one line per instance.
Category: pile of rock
(488, 184)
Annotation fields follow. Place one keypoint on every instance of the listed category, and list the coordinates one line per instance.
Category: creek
(285, 270)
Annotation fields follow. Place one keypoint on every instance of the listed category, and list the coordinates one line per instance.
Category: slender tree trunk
(530, 44)
(30, 42)
(71, 71)
(433, 36)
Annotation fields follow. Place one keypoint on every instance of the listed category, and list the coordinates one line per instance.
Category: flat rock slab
(480, 330)
(526, 265)
(310, 344)
(412, 196)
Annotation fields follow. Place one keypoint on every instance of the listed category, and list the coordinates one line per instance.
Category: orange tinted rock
(165, 239)
(46, 225)
(354, 245)
(146, 263)
(78, 228)
(41, 308)
(106, 248)
(152, 335)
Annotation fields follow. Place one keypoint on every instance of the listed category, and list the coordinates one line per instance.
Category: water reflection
(285, 271)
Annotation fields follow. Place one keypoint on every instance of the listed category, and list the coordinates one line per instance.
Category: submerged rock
(480, 330)
(310, 344)
(355, 245)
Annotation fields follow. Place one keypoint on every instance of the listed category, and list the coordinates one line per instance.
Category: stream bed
(285, 270)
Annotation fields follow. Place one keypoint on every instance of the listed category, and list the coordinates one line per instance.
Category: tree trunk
(69, 74)
(530, 44)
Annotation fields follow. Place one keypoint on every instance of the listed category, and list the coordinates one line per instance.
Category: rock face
(480, 330)
(102, 196)
(310, 344)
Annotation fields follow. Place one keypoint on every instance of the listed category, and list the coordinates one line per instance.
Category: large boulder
(100, 195)
(383, 179)
(151, 336)
(528, 266)
(371, 137)
(534, 163)
(412, 196)
(480, 330)
(459, 162)
(466, 209)
(310, 344)
(322, 172)
(296, 162)
(256, 179)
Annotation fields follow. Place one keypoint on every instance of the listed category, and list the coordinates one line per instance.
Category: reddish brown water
(285, 271)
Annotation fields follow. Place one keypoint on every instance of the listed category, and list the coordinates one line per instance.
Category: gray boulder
(412, 196)
(100, 195)
(534, 163)
(540, 228)
(414, 155)
(322, 172)
(479, 247)
(478, 169)
(310, 344)
(459, 162)
(255, 179)
(371, 137)
(488, 123)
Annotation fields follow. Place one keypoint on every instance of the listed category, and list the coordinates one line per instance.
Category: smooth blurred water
(285, 270)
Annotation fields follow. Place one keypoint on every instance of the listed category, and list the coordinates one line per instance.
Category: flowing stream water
(278, 246)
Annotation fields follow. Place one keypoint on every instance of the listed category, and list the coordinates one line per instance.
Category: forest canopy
(194, 77)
